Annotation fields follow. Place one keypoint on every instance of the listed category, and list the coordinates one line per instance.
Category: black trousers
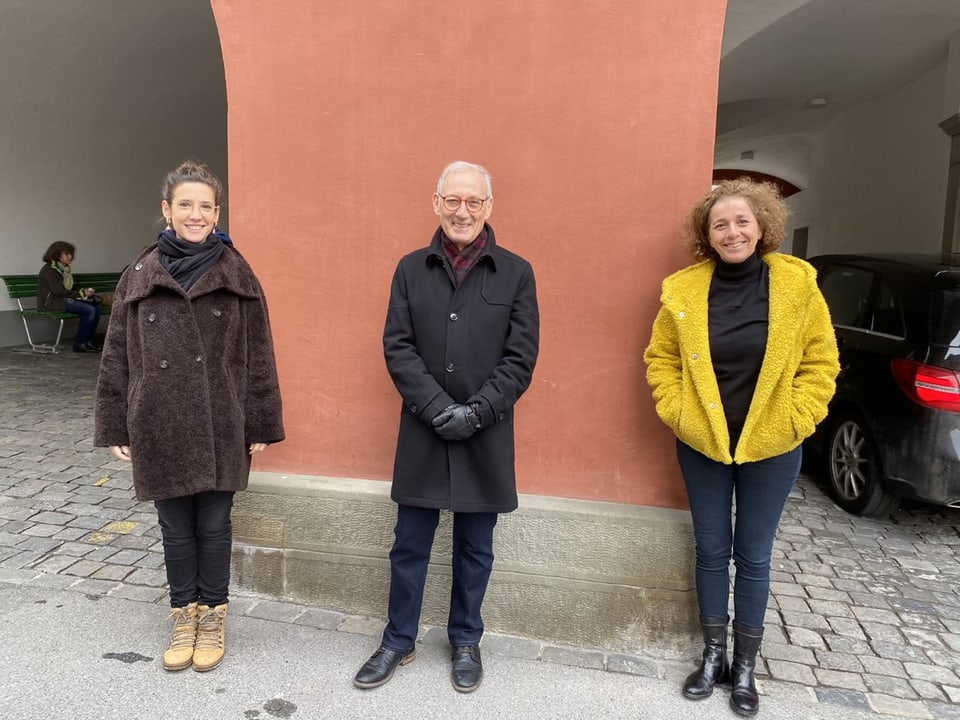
(197, 538)
(472, 563)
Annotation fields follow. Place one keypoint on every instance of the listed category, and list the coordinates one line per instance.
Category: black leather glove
(456, 422)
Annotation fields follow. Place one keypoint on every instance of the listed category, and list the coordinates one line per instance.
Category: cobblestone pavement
(864, 614)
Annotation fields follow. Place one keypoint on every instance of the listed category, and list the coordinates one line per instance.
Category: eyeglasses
(452, 203)
(186, 206)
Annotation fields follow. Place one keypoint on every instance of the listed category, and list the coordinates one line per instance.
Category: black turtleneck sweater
(739, 304)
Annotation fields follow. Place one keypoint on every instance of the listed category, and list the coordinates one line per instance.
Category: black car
(893, 430)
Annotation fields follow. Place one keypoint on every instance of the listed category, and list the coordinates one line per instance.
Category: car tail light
(928, 385)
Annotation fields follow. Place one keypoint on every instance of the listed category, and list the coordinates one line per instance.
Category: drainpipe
(951, 126)
(951, 217)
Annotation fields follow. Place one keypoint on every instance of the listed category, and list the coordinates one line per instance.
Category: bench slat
(33, 312)
(19, 286)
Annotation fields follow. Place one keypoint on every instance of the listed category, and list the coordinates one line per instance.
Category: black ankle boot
(746, 642)
(714, 668)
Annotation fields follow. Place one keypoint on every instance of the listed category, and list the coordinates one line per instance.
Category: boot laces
(210, 629)
(184, 628)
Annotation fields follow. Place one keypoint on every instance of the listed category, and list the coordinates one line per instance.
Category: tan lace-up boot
(211, 632)
(179, 654)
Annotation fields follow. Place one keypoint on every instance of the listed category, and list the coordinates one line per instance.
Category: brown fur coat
(188, 379)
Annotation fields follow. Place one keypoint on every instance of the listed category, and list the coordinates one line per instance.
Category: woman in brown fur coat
(187, 393)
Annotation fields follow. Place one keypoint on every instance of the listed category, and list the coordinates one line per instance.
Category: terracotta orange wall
(596, 120)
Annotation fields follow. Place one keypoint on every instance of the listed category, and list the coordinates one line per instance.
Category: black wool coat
(474, 344)
(188, 379)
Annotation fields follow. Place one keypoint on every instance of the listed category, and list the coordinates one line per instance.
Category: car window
(847, 292)
(887, 315)
(945, 320)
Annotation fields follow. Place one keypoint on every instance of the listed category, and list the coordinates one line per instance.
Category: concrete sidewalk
(95, 657)
(864, 615)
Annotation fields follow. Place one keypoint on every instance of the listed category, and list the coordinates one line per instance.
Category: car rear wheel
(853, 469)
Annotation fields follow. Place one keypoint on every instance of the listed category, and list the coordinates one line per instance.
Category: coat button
(217, 313)
(138, 266)
(681, 315)
(164, 364)
(413, 409)
(713, 406)
(151, 317)
(500, 416)
(454, 317)
(450, 367)
(199, 358)
(695, 356)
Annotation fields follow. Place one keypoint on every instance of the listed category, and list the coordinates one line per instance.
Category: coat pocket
(497, 289)
(493, 315)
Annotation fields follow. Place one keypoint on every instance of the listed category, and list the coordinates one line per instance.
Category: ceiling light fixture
(816, 103)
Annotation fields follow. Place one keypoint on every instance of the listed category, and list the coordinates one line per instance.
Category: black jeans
(761, 490)
(197, 538)
(472, 563)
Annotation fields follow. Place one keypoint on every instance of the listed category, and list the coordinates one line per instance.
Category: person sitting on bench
(56, 293)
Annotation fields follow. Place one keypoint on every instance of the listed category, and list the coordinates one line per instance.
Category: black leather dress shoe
(91, 347)
(380, 667)
(81, 349)
(467, 669)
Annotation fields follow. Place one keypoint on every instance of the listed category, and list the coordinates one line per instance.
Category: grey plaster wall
(587, 573)
(99, 99)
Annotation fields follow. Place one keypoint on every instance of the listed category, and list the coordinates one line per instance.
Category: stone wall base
(584, 573)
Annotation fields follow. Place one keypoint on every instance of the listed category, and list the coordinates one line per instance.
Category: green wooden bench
(23, 289)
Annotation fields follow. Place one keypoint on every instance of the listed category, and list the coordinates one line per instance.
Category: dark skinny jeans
(761, 490)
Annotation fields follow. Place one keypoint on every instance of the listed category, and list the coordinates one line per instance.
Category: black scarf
(187, 261)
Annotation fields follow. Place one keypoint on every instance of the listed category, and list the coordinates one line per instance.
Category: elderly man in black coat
(461, 341)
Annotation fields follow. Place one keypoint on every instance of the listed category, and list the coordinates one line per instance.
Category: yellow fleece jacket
(797, 377)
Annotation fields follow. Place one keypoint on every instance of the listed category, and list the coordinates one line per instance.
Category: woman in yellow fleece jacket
(742, 363)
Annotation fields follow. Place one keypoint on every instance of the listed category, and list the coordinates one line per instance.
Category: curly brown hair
(765, 201)
(59, 247)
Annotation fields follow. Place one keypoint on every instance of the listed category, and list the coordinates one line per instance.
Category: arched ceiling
(778, 54)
